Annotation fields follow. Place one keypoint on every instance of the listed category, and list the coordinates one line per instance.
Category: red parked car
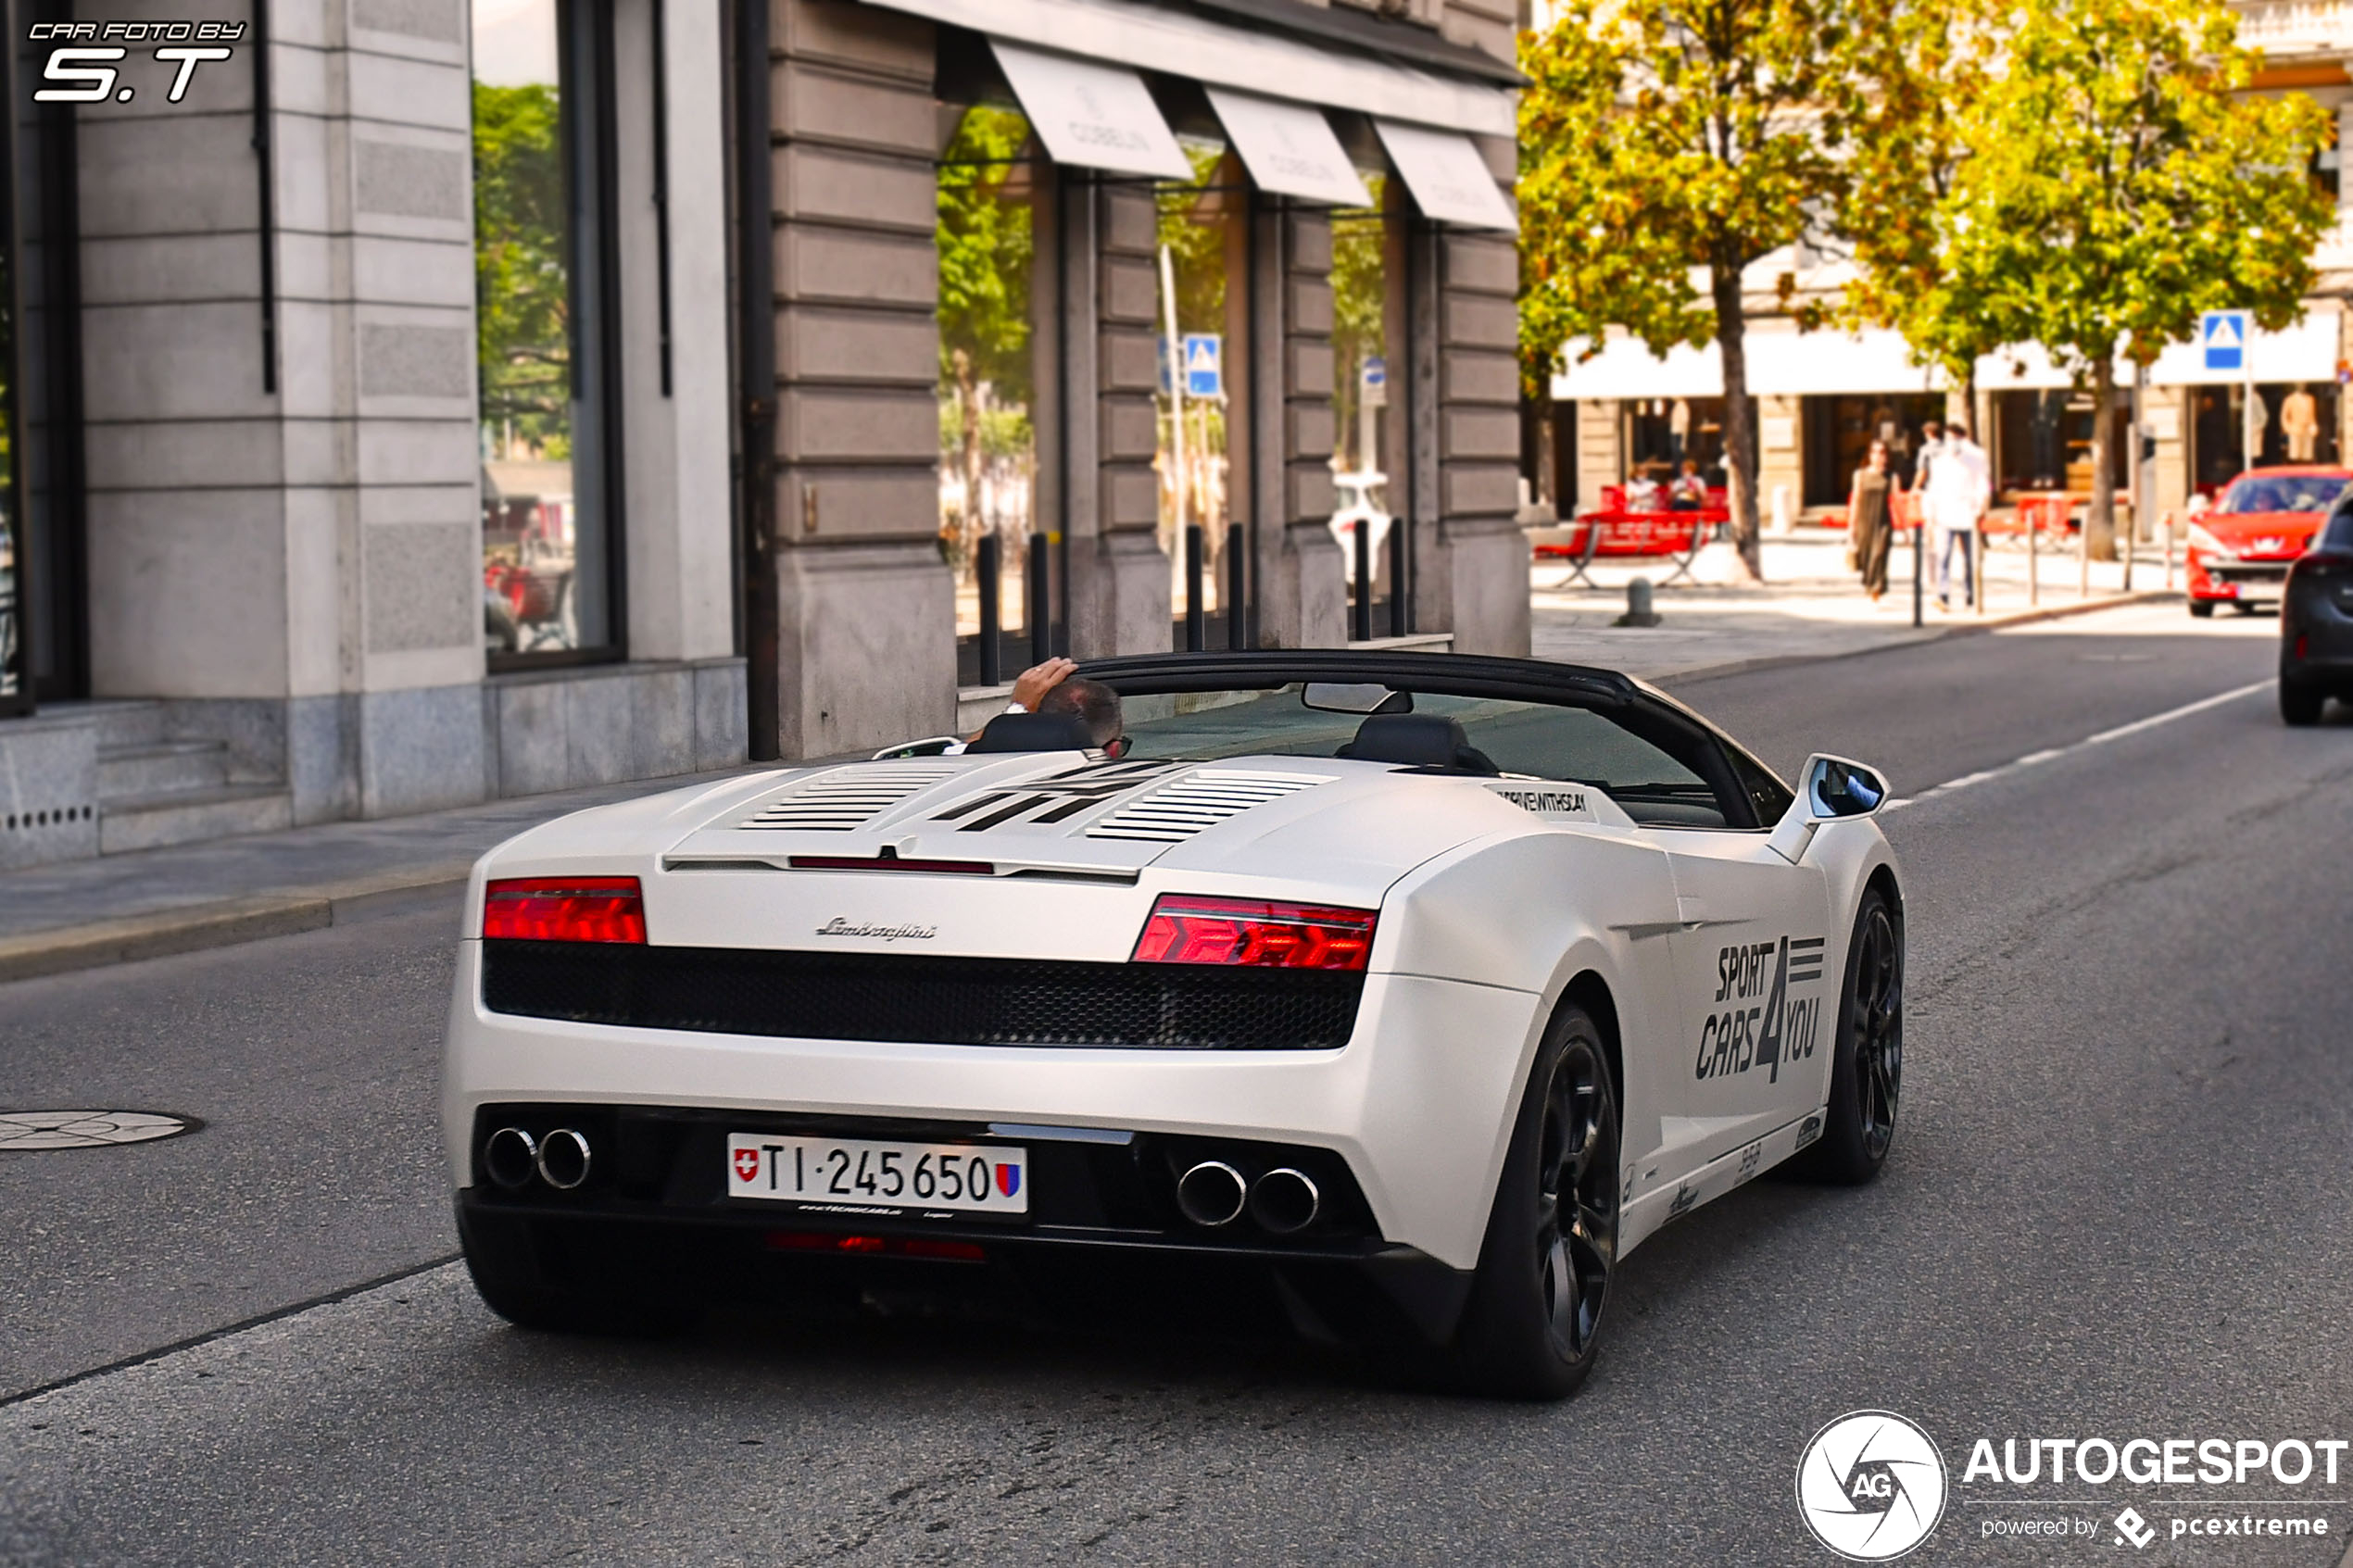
(2241, 547)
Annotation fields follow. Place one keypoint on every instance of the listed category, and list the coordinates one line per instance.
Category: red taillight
(565, 909)
(1186, 928)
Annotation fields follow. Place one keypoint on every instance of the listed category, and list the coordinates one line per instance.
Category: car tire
(509, 1278)
(1532, 1325)
(2202, 608)
(2300, 702)
(1866, 1072)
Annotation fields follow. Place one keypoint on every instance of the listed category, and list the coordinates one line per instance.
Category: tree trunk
(2099, 527)
(968, 408)
(1740, 432)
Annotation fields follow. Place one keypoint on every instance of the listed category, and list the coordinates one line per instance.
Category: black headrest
(1417, 740)
(1034, 732)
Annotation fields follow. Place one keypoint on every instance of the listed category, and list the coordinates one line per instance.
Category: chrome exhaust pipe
(509, 1156)
(563, 1159)
(1284, 1201)
(1211, 1194)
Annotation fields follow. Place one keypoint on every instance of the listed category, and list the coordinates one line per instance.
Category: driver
(1056, 686)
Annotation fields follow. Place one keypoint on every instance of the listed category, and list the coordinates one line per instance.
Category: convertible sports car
(1402, 994)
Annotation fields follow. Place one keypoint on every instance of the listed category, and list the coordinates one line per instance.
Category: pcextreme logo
(1870, 1485)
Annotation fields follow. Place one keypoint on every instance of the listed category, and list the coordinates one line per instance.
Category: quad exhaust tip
(1211, 1194)
(563, 1159)
(509, 1156)
(1284, 1201)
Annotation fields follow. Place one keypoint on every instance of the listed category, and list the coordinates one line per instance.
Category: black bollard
(989, 569)
(1042, 627)
(1196, 628)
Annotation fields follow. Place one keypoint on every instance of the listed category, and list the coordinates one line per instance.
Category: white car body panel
(1494, 896)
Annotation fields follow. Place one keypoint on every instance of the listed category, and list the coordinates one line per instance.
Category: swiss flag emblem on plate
(747, 1164)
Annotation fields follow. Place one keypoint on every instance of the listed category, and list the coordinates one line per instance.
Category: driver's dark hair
(1095, 704)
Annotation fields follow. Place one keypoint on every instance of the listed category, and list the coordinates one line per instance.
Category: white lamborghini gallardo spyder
(1404, 993)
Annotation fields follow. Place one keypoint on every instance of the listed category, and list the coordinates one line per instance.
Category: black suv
(2316, 623)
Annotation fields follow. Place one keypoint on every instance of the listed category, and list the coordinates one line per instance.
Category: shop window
(1203, 240)
(1663, 431)
(2042, 442)
(2296, 423)
(1369, 430)
(544, 248)
(1840, 429)
(990, 175)
(44, 644)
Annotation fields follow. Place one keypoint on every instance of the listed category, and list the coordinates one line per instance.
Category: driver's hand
(1032, 684)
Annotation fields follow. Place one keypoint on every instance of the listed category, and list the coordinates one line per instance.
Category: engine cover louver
(849, 797)
(1199, 802)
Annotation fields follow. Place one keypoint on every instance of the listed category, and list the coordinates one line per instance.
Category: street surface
(2115, 1206)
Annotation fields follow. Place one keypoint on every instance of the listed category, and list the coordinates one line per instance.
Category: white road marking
(2037, 758)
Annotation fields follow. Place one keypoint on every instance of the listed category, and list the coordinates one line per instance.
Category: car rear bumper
(1417, 1105)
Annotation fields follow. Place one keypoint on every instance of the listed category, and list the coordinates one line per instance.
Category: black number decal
(895, 1178)
(926, 1184)
(865, 1176)
(979, 1179)
(952, 1179)
(840, 1162)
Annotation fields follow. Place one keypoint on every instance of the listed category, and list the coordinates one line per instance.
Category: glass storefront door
(1203, 331)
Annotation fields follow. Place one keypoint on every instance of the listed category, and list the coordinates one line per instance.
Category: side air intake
(1198, 802)
(848, 798)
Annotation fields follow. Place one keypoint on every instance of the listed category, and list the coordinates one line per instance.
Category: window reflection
(1368, 434)
(540, 274)
(1203, 238)
(989, 177)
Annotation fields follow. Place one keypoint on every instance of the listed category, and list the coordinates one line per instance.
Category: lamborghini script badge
(840, 927)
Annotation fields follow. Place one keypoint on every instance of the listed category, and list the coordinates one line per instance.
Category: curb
(1926, 635)
(221, 922)
(229, 921)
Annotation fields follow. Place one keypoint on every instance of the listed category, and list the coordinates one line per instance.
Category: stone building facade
(446, 402)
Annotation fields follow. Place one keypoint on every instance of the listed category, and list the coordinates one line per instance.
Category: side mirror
(1831, 788)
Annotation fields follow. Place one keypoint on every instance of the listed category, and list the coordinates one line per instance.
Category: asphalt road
(2117, 1207)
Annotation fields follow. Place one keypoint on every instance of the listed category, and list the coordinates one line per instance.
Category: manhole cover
(87, 1129)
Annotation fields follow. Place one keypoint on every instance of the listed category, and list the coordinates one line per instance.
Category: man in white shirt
(1960, 489)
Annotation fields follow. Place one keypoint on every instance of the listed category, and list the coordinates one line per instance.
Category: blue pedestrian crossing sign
(1204, 365)
(2222, 334)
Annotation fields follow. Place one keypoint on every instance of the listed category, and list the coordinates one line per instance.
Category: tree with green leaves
(522, 287)
(1905, 101)
(2118, 180)
(1673, 141)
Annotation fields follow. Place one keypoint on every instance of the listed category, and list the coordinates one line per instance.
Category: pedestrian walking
(1959, 488)
(1932, 437)
(1868, 520)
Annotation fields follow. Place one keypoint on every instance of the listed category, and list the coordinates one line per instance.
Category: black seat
(1418, 740)
(1034, 732)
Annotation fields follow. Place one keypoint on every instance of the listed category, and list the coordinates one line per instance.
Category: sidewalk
(1811, 606)
(118, 907)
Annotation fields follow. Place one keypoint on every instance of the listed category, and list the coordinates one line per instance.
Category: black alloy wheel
(1867, 1076)
(1576, 1199)
(1532, 1325)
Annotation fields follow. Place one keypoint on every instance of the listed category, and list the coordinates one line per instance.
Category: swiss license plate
(850, 1174)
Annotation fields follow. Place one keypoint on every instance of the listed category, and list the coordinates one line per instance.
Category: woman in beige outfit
(1869, 519)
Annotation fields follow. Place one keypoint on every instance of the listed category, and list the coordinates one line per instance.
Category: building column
(865, 611)
(1119, 582)
(1302, 586)
(1474, 575)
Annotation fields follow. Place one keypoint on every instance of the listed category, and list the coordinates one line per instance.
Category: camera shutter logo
(1871, 1485)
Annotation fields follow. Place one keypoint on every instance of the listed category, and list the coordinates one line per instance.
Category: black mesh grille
(940, 1001)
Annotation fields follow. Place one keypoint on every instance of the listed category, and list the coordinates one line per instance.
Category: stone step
(150, 821)
(127, 723)
(125, 772)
